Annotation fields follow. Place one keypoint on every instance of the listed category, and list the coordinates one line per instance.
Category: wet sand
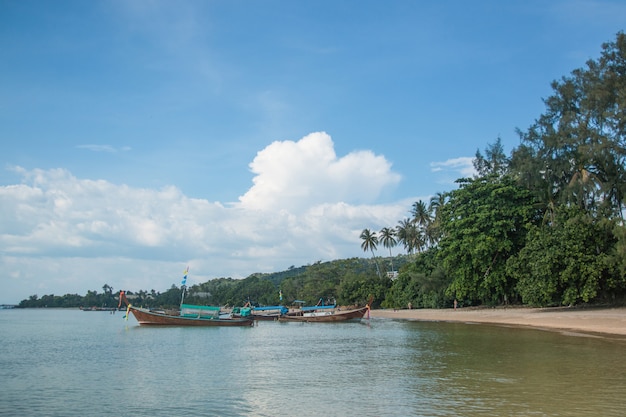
(590, 321)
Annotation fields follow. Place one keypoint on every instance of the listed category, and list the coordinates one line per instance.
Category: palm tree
(408, 234)
(436, 202)
(415, 237)
(421, 214)
(108, 293)
(433, 232)
(370, 242)
(387, 236)
(401, 232)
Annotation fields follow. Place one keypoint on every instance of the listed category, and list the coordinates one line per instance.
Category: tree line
(542, 226)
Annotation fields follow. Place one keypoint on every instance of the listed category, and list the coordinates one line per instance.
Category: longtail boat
(188, 315)
(325, 314)
(261, 312)
(268, 312)
(191, 315)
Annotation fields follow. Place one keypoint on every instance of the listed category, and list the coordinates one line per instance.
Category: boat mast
(183, 286)
(182, 296)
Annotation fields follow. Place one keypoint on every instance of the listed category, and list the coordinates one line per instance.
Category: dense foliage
(483, 225)
(543, 226)
(348, 282)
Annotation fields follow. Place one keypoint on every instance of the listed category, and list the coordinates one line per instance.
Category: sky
(235, 137)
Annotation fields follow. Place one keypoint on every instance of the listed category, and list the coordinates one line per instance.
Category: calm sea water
(75, 363)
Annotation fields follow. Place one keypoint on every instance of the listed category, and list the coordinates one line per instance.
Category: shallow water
(75, 363)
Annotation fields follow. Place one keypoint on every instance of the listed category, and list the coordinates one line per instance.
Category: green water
(74, 363)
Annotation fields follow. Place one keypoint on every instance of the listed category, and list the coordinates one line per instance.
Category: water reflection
(479, 370)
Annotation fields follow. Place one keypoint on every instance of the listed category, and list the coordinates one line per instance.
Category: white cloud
(462, 166)
(61, 234)
(103, 148)
(292, 176)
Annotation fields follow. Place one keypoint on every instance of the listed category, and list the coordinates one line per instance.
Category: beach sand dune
(598, 321)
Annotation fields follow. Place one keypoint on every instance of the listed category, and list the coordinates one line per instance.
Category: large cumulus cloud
(292, 175)
(62, 234)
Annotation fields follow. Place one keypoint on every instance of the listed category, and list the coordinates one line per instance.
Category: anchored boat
(188, 314)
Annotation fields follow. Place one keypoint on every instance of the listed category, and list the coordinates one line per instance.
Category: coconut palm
(408, 234)
(416, 238)
(387, 237)
(401, 232)
(370, 242)
(433, 232)
(421, 213)
(436, 202)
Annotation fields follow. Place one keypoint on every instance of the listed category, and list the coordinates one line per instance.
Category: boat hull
(265, 317)
(336, 316)
(149, 318)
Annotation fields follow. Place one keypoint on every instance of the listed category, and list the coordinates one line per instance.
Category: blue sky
(139, 137)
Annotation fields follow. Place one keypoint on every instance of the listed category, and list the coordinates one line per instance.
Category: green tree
(495, 161)
(255, 289)
(358, 288)
(403, 232)
(388, 239)
(420, 213)
(370, 243)
(575, 153)
(567, 263)
(483, 224)
(436, 202)
(108, 300)
(422, 222)
(422, 283)
(170, 298)
(410, 236)
(92, 299)
(619, 255)
(433, 230)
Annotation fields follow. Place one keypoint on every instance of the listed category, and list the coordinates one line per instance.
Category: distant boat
(260, 312)
(268, 312)
(325, 314)
(98, 308)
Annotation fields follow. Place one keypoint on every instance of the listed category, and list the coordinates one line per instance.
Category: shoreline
(601, 322)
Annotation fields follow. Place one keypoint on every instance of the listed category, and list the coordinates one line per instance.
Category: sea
(67, 362)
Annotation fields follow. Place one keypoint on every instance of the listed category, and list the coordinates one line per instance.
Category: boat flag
(184, 281)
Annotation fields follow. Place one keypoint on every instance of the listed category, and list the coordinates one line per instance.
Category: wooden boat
(146, 317)
(268, 312)
(264, 312)
(325, 314)
(189, 315)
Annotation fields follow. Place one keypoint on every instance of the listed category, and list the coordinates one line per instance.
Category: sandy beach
(590, 321)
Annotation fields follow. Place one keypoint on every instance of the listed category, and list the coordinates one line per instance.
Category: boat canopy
(189, 310)
(266, 308)
(281, 309)
(313, 308)
(209, 308)
(242, 311)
